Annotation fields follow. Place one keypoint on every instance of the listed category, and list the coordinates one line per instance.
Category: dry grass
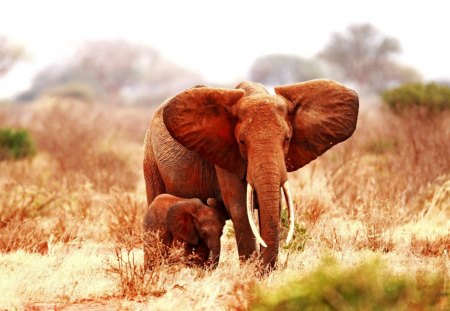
(70, 218)
(82, 141)
(439, 246)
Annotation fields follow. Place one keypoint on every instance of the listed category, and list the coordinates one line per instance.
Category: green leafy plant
(366, 286)
(431, 97)
(15, 144)
(300, 237)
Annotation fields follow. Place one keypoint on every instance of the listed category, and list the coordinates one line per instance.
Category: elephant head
(198, 225)
(261, 137)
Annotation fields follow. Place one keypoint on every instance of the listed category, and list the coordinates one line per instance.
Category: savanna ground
(372, 211)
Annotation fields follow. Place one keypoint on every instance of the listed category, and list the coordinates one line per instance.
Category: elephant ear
(181, 223)
(325, 114)
(200, 120)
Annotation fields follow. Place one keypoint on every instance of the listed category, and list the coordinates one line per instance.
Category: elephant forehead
(262, 116)
(261, 107)
(212, 227)
(262, 101)
(208, 213)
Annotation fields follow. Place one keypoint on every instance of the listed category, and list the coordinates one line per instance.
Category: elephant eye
(242, 142)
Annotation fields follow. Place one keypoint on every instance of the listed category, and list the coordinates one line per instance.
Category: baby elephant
(198, 226)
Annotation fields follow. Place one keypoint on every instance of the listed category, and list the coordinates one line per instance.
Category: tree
(366, 56)
(278, 69)
(114, 70)
(114, 63)
(10, 53)
(133, 70)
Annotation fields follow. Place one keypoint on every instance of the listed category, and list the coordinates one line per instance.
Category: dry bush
(391, 159)
(32, 218)
(335, 241)
(438, 246)
(135, 280)
(243, 292)
(25, 235)
(125, 218)
(373, 236)
(436, 199)
(314, 212)
(86, 142)
(310, 209)
(20, 203)
(24, 215)
(376, 233)
(38, 172)
(376, 238)
(81, 139)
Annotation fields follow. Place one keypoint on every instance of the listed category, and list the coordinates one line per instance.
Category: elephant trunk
(266, 178)
(269, 212)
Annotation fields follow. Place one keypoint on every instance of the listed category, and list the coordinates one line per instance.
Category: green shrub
(15, 144)
(300, 237)
(431, 97)
(366, 286)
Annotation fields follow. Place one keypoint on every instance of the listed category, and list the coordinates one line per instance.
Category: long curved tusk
(250, 215)
(290, 203)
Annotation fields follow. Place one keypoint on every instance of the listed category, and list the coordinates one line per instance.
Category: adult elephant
(239, 144)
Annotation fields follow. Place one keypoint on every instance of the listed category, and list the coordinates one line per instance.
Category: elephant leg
(234, 196)
(154, 184)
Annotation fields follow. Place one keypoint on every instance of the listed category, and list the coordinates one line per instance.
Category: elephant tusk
(250, 216)
(290, 203)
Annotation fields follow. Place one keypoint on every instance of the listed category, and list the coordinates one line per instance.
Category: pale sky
(220, 39)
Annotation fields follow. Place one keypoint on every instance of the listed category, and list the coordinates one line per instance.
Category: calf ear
(181, 223)
(199, 119)
(219, 210)
(212, 202)
(325, 114)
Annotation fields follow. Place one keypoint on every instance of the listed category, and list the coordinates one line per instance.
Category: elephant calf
(196, 225)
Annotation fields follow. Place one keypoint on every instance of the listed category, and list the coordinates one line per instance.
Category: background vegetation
(430, 97)
(15, 144)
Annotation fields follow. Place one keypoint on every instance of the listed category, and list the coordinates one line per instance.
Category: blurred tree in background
(278, 69)
(115, 71)
(10, 53)
(114, 64)
(365, 56)
(63, 78)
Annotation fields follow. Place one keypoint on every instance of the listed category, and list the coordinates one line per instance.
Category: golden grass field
(70, 217)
